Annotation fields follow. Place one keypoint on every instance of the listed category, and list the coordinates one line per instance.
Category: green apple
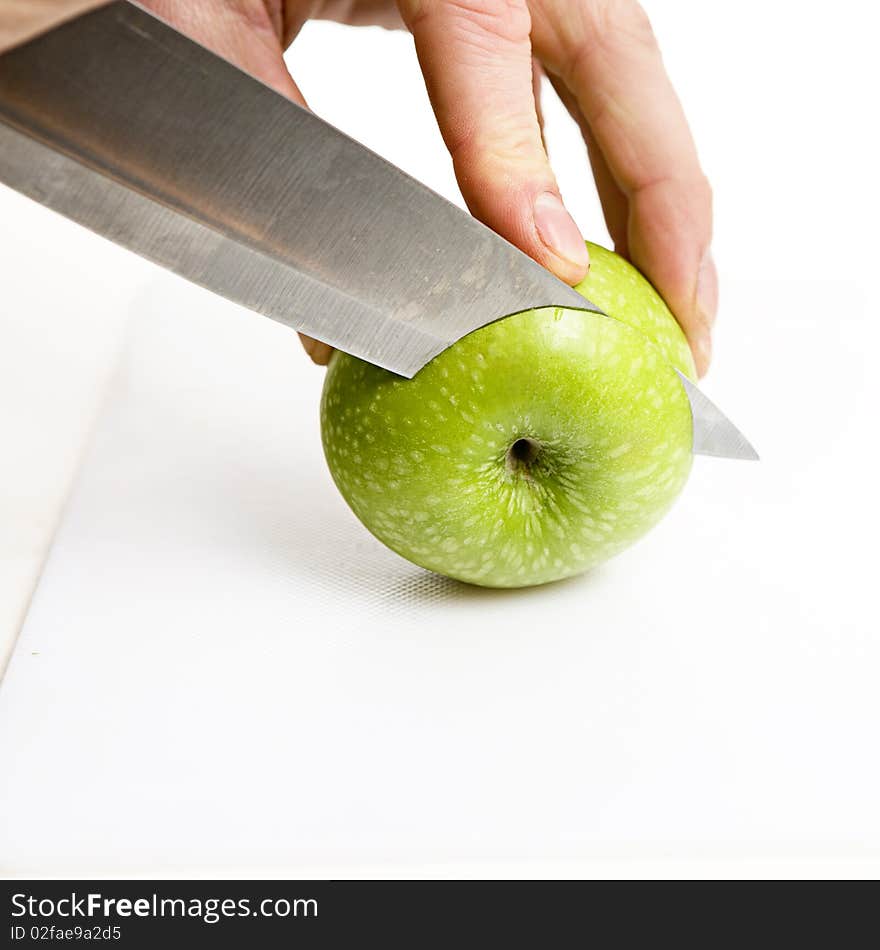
(532, 449)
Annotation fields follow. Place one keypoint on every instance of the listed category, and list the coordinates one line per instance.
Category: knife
(120, 122)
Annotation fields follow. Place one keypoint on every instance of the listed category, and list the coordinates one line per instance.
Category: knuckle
(610, 25)
(634, 22)
(623, 19)
(493, 154)
(263, 17)
(692, 185)
(507, 20)
(695, 186)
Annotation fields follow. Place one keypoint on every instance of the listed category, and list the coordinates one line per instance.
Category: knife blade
(120, 122)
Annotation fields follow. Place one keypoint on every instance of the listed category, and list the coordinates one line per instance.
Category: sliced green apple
(532, 449)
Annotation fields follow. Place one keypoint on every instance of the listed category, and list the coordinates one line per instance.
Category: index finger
(476, 58)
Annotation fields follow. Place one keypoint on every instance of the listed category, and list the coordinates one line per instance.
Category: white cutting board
(223, 673)
(65, 297)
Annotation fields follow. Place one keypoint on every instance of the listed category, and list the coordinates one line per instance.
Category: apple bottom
(533, 449)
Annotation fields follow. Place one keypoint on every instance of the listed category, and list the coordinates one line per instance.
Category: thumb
(477, 61)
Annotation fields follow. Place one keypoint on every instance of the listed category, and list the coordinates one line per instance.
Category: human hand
(479, 59)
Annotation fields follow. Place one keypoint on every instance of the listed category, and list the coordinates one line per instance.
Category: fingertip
(321, 353)
(317, 351)
(561, 238)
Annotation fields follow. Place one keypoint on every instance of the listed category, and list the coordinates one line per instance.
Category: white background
(721, 676)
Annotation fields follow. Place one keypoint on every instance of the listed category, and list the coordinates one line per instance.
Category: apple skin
(532, 449)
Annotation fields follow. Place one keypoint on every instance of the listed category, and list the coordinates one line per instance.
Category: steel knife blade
(123, 124)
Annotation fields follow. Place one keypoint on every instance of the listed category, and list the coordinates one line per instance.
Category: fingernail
(707, 289)
(558, 230)
(703, 352)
